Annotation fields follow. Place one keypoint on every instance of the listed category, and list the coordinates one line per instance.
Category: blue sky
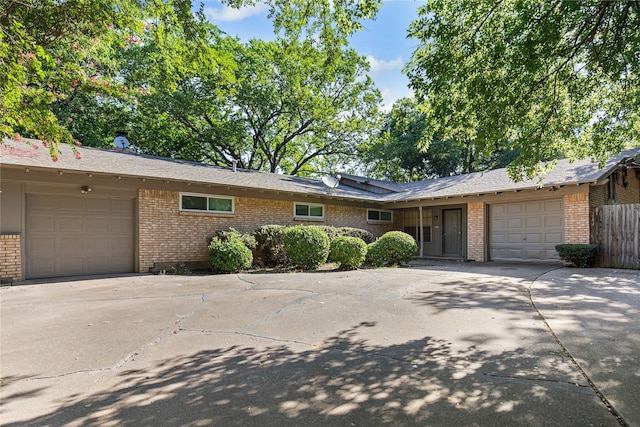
(383, 40)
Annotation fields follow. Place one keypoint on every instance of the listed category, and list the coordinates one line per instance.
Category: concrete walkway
(442, 344)
(595, 315)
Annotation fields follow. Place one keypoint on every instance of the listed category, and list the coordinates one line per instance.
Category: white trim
(379, 221)
(208, 196)
(308, 217)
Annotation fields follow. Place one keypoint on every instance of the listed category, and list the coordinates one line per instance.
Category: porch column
(421, 233)
(476, 231)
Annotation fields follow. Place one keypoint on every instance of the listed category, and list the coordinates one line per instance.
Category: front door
(452, 232)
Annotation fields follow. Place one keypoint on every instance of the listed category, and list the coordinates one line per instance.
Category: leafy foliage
(548, 79)
(229, 253)
(349, 252)
(335, 232)
(580, 255)
(392, 248)
(276, 107)
(401, 153)
(307, 246)
(53, 50)
(270, 245)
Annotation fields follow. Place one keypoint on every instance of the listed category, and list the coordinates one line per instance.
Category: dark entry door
(452, 232)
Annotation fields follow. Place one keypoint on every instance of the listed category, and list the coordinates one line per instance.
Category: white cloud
(228, 14)
(380, 65)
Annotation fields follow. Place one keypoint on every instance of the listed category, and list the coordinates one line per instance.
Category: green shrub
(347, 251)
(270, 245)
(228, 251)
(580, 255)
(356, 232)
(307, 246)
(394, 247)
(231, 233)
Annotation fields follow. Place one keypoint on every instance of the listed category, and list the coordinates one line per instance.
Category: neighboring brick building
(115, 211)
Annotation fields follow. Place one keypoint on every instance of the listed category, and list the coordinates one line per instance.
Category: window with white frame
(205, 203)
(308, 211)
(377, 215)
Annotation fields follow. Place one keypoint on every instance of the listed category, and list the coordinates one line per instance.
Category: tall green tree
(50, 50)
(401, 153)
(550, 79)
(285, 110)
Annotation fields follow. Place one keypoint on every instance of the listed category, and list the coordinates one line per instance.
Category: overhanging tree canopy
(554, 78)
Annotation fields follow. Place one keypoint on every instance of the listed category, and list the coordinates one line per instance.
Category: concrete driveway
(445, 344)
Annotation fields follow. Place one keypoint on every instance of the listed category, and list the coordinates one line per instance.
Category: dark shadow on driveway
(344, 382)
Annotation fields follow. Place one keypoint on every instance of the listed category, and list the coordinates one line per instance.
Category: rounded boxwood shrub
(357, 232)
(580, 255)
(270, 245)
(392, 248)
(229, 254)
(349, 252)
(307, 246)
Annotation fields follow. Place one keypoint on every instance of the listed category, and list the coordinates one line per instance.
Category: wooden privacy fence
(616, 231)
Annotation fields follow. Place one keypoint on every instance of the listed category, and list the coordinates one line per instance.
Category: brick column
(476, 231)
(576, 218)
(10, 258)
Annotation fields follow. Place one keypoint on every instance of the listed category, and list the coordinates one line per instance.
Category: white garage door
(76, 235)
(525, 231)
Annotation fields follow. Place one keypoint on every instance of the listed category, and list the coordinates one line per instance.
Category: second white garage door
(525, 231)
(76, 235)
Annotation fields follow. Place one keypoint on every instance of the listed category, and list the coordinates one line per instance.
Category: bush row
(307, 247)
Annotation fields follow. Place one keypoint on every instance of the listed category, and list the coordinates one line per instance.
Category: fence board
(616, 231)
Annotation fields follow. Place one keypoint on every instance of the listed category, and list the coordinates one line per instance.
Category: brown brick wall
(631, 193)
(576, 218)
(166, 235)
(476, 231)
(10, 258)
(601, 195)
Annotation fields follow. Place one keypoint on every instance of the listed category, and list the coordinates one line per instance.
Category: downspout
(421, 234)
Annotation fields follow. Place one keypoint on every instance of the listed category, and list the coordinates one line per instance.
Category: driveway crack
(569, 356)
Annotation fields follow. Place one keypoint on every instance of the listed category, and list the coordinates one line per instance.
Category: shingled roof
(565, 173)
(31, 153)
(129, 164)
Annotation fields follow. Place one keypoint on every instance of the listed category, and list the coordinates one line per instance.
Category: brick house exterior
(118, 211)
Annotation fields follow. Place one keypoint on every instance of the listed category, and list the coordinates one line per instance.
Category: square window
(194, 203)
(220, 205)
(302, 210)
(316, 211)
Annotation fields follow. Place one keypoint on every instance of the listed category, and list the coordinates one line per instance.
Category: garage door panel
(122, 226)
(98, 205)
(553, 221)
(523, 231)
(43, 224)
(530, 222)
(70, 265)
(75, 235)
(43, 245)
(66, 203)
(70, 224)
(68, 245)
(536, 254)
(514, 223)
(498, 224)
(553, 238)
(553, 205)
(514, 208)
(41, 266)
(97, 225)
(534, 207)
(534, 238)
